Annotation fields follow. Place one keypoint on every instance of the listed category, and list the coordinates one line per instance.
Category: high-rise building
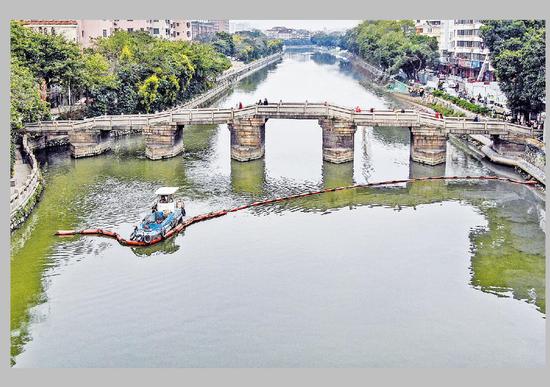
(468, 49)
(461, 48)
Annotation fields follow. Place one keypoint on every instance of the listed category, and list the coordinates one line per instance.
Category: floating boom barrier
(211, 215)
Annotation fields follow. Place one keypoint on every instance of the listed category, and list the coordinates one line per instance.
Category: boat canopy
(166, 190)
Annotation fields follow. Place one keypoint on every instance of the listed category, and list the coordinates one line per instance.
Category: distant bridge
(163, 130)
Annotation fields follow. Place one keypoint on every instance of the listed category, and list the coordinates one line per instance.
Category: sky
(313, 25)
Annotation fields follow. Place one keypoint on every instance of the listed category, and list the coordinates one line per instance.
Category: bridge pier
(428, 146)
(163, 141)
(89, 142)
(247, 138)
(338, 140)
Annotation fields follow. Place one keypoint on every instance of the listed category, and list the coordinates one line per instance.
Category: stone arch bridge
(164, 131)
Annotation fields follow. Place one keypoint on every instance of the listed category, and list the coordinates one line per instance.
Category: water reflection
(248, 177)
(168, 246)
(337, 175)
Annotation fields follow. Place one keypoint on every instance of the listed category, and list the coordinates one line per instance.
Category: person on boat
(159, 216)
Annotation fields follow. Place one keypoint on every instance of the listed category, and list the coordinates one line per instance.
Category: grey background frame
(245, 9)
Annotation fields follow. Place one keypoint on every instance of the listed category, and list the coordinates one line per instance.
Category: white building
(461, 48)
(70, 29)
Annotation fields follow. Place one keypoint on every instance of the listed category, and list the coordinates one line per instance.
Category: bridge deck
(286, 110)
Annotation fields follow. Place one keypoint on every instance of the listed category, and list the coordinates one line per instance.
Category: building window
(104, 33)
(188, 34)
(178, 34)
(155, 21)
(188, 24)
(155, 31)
(167, 32)
(141, 29)
(53, 31)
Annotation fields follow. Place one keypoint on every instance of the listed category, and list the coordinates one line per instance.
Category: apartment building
(86, 31)
(461, 48)
(181, 30)
(468, 49)
(220, 25)
(70, 29)
(202, 27)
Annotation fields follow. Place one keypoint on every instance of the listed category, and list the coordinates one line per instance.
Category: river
(426, 274)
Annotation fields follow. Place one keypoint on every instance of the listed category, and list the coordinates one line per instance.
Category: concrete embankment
(26, 195)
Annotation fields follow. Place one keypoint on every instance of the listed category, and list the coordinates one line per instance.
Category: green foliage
(447, 112)
(252, 45)
(26, 105)
(245, 46)
(518, 54)
(48, 57)
(128, 72)
(148, 92)
(332, 39)
(392, 45)
(463, 103)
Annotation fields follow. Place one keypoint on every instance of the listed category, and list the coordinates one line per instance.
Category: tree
(26, 105)
(333, 39)
(392, 45)
(148, 92)
(518, 54)
(49, 57)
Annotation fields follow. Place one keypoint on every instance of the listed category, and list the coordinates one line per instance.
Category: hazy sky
(306, 24)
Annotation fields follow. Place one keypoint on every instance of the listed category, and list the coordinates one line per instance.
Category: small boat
(166, 214)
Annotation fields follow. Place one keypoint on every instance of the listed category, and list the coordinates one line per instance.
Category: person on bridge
(357, 109)
(260, 101)
(240, 105)
(265, 101)
(476, 118)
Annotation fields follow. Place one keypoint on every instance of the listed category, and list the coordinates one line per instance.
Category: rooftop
(49, 22)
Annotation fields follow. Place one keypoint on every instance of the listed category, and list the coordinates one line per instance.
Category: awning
(166, 190)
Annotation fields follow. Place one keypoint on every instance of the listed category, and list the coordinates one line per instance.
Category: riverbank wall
(368, 70)
(27, 196)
